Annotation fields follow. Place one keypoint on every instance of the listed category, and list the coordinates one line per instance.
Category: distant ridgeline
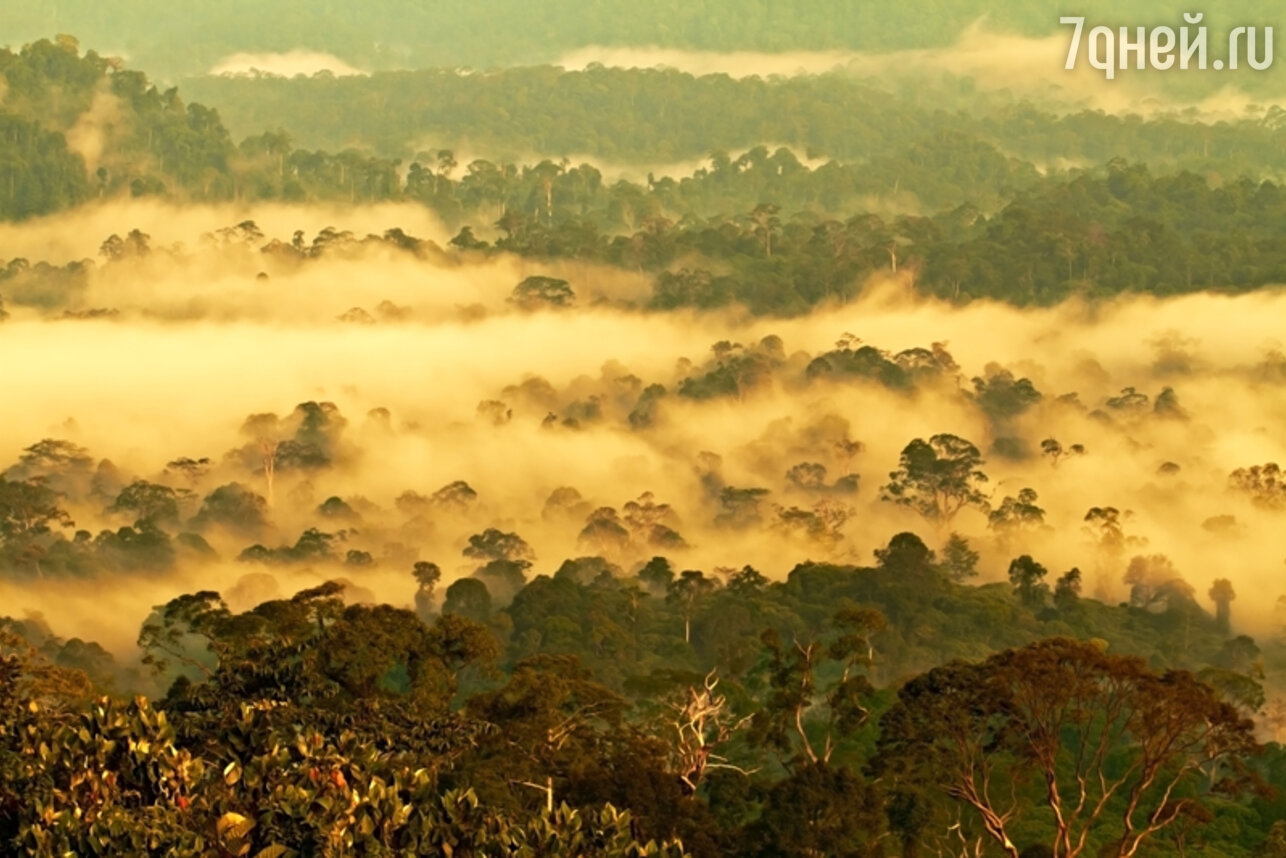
(654, 116)
(395, 34)
(955, 215)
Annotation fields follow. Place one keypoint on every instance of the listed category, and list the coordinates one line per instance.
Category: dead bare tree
(701, 724)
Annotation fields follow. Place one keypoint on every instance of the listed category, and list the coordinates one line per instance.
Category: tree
(141, 547)
(819, 809)
(1016, 515)
(1222, 594)
(740, 508)
(765, 223)
(386, 651)
(1028, 579)
(938, 478)
(61, 465)
(1241, 690)
(818, 526)
(1002, 397)
(170, 633)
(457, 496)
(235, 507)
(958, 559)
(493, 544)
(1067, 591)
(193, 470)
(797, 687)
(1154, 581)
(1167, 405)
(1130, 402)
(537, 292)
(427, 575)
(1060, 729)
(702, 722)
(28, 675)
(1263, 484)
(1240, 654)
(588, 571)
(905, 553)
(313, 545)
(1106, 527)
(653, 523)
(358, 558)
(1055, 452)
(746, 581)
(469, 598)
(28, 510)
(605, 533)
(657, 575)
(564, 504)
(551, 714)
(687, 592)
(505, 559)
(504, 578)
(149, 502)
(808, 476)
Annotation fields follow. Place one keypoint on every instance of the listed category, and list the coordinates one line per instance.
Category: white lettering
(1161, 44)
(1076, 40)
(1102, 50)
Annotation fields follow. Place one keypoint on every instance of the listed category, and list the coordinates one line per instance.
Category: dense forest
(700, 466)
(763, 229)
(678, 645)
(608, 700)
(396, 34)
(661, 116)
(908, 152)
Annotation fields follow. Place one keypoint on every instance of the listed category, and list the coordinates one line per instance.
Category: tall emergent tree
(1222, 594)
(938, 478)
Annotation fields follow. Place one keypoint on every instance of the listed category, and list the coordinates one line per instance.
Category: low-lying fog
(201, 341)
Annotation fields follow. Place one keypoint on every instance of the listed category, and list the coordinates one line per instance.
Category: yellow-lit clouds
(285, 64)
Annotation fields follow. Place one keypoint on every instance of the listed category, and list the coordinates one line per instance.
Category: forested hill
(932, 192)
(78, 127)
(656, 116)
(903, 153)
(402, 33)
(384, 34)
